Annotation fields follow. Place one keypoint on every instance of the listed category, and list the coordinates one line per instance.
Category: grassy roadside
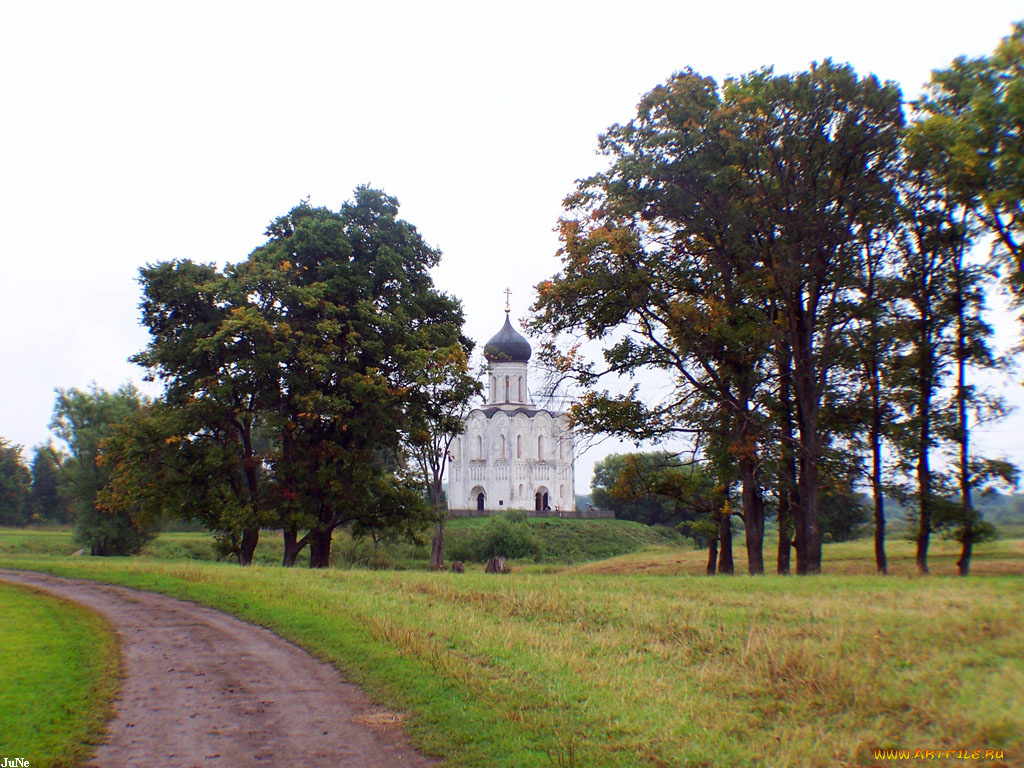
(60, 671)
(584, 669)
(551, 540)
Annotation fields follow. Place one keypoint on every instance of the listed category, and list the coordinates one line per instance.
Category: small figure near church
(512, 454)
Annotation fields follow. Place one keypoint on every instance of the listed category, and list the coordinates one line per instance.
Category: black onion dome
(507, 346)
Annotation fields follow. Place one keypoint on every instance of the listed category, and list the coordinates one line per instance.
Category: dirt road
(204, 689)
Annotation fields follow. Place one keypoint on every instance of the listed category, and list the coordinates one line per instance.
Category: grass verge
(550, 540)
(60, 671)
(582, 669)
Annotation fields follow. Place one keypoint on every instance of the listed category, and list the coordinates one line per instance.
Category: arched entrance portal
(541, 500)
(478, 495)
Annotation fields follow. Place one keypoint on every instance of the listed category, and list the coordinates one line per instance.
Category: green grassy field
(638, 662)
(552, 540)
(59, 667)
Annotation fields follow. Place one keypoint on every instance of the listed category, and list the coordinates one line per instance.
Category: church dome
(507, 346)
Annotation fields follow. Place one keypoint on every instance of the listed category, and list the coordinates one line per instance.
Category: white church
(512, 454)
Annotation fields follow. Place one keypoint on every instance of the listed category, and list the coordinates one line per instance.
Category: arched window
(457, 449)
(520, 490)
(519, 446)
(494, 389)
(501, 444)
(506, 389)
(521, 390)
(540, 447)
(479, 447)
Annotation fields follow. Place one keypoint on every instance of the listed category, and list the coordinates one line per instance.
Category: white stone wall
(507, 384)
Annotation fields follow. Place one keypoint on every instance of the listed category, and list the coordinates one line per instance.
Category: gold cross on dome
(508, 306)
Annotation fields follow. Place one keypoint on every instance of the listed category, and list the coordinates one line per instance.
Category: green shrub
(504, 538)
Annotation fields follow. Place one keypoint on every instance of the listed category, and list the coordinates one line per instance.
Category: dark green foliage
(844, 514)
(653, 488)
(15, 481)
(719, 244)
(86, 420)
(497, 537)
(646, 509)
(49, 497)
(974, 111)
(551, 540)
(293, 377)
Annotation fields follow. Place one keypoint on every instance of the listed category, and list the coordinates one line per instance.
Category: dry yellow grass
(854, 558)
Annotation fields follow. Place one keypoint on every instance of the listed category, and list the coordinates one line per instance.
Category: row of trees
(63, 487)
(798, 260)
(34, 492)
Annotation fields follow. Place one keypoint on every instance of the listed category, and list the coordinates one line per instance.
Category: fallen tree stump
(497, 565)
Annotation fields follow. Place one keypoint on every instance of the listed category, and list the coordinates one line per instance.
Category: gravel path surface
(202, 688)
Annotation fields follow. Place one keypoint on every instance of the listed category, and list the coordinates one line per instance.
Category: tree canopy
(726, 230)
(292, 376)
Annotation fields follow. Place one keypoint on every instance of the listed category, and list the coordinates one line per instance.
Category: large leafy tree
(356, 309)
(659, 246)
(821, 148)
(213, 345)
(296, 367)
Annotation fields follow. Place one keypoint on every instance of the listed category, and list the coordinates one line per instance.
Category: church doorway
(478, 495)
(541, 500)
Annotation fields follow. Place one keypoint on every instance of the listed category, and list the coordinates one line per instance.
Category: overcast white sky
(137, 132)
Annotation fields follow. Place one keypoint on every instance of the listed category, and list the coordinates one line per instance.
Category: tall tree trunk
(967, 510)
(725, 564)
(805, 386)
(967, 545)
(746, 449)
(929, 272)
(320, 548)
(786, 486)
(785, 519)
(881, 563)
(753, 517)
(809, 534)
(712, 554)
(250, 538)
(292, 547)
(875, 437)
(924, 479)
(437, 547)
